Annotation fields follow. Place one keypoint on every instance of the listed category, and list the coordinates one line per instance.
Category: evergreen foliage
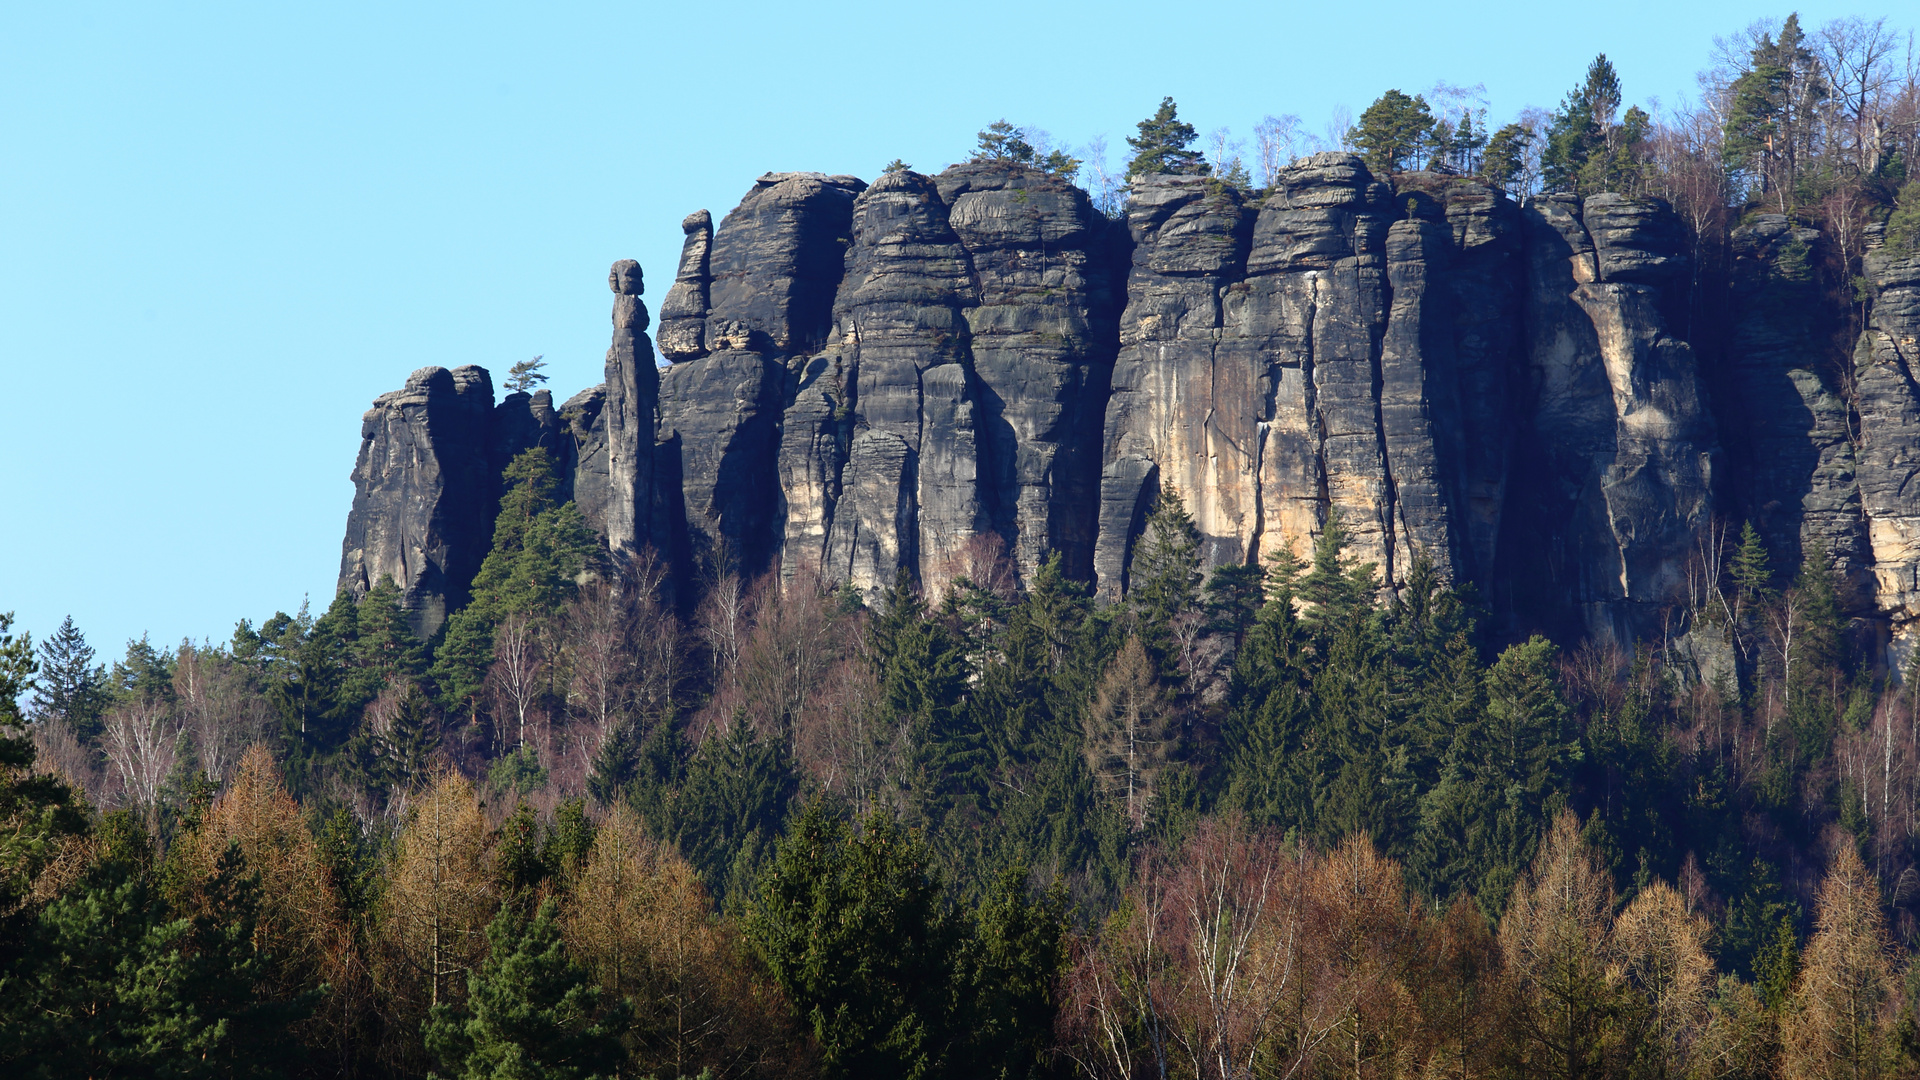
(71, 689)
(530, 1011)
(1396, 132)
(525, 375)
(1164, 145)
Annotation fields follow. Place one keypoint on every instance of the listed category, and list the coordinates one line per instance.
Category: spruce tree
(853, 928)
(1163, 577)
(1164, 145)
(1338, 586)
(71, 689)
(531, 1012)
(732, 806)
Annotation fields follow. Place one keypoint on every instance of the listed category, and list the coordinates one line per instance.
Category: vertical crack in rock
(1620, 451)
(773, 269)
(1885, 364)
(424, 497)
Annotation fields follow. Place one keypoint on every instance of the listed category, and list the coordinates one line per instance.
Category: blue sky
(227, 227)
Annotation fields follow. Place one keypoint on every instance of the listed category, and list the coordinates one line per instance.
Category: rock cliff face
(939, 370)
(1889, 439)
(424, 493)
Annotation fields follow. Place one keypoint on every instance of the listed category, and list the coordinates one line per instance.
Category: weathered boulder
(424, 493)
(776, 261)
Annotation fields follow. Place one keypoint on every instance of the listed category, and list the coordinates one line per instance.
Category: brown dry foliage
(1841, 1019)
(302, 924)
(439, 898)
(639, 920)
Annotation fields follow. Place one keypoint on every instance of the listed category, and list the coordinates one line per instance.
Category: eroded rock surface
(424, 494)
(940, 370)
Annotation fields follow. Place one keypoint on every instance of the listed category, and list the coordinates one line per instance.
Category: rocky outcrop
(424, 493)
(1617, 452)
(1885, 363)
(774, 269)
(961, 390)
(1305, 358)
(683, 315)
(628, 414)
(942, 370)
(1790, 432)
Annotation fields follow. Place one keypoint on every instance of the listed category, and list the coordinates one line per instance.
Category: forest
(1264, 821)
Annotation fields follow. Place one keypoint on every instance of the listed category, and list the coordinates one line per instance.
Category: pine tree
(525, 375)
(1589, 147)
(1002, 141)
(71, 688)
(113, 984)
(1164, 145)
(530, 1011)
(1506, 158)
(1395, 132)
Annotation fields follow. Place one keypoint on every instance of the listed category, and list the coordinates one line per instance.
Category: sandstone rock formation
(937, 370)
(1885, 364)
(424, 493)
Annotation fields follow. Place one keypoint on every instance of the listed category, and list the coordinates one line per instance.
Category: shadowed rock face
(424, 493)
(940, 370)
(960, 393)
(1617, 452)
(1789, 433)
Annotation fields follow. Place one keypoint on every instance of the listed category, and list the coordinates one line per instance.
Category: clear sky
(224, 228)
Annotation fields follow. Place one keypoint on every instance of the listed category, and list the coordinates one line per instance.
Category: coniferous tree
(1128, 740)
(1002, 141)
(1163, 579)
(1505, 161)
(1590, 147)
(852, 927)
(1395, 132)
(113, 983)
(525, 375)
(71, 689)
(530, 1010)
(37, 811)
(731, 807)
(1164, 145)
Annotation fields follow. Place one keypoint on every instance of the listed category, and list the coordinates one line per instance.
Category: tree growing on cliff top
(525, 375)
(1164, 146)
(1395, 132)
(1002, 141)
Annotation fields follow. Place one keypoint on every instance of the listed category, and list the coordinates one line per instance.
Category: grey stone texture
(917, 374)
